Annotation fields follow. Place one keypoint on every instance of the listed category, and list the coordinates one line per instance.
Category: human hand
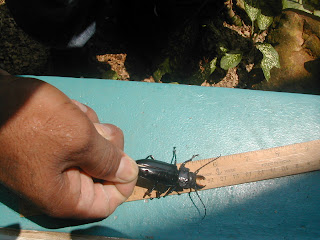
(53, 151)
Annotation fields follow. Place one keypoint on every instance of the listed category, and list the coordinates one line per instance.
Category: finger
(82, 198)
(126, 172)
(118, 193)
(108, 131)
(4, 73)
(111, 133)
(91, 114)
(92, 200)
(104, 160)
(100, 157)
(105, 199)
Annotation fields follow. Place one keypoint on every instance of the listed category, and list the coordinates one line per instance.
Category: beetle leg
(174, 156)
(161, 191)
(183, 164)
(146, 193)
(150, 157)
(158, 194)
(149, 191)
(196, 155)
(170, 190)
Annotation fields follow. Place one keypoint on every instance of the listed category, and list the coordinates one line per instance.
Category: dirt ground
(176, 48)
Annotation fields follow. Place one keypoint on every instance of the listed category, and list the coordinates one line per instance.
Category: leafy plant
(164, 67)
(231, 59)
(270, 58)
(110, 74)
(309, 6)
(255, 14)
(213, 65)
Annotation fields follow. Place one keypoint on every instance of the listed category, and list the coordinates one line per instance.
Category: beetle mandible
(168, 176)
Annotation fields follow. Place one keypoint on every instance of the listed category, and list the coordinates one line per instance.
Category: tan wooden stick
(16, 234)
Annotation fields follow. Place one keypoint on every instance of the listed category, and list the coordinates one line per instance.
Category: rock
(295, 36)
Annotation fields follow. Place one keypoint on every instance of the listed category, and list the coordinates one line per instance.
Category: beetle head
(199, 178)
(189, 179)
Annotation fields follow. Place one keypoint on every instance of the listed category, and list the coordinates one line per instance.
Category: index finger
(91, 114)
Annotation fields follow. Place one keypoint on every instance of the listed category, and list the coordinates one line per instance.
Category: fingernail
(82, 107)
(104, 130)
(128, 169)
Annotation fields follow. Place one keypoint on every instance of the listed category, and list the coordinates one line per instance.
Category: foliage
(270, 58)
(260, 16)
(213, 65)
(225, 47)
(164, 68)
(110, 74)
(264, 21)
(252, 8)
(309, 6)
(230, 60)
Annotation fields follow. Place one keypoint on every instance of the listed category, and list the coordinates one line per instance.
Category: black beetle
(166, 177)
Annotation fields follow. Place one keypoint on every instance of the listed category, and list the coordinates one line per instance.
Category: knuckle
(115, 131)
(109, 163)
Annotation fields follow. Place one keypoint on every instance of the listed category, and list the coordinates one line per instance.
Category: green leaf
(163, 68)
(223, 49)
(270, 58)
(110, 74)
(251, 10)
(230, 60)
(213, 65)
(264, 21)
(309, 6)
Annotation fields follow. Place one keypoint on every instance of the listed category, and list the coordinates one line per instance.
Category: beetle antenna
(194, 202)
(204, 206)
(206, 164)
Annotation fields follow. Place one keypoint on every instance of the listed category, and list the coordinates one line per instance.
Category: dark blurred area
(139, 28)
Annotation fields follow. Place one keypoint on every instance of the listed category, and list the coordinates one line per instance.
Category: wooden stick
(19, 234)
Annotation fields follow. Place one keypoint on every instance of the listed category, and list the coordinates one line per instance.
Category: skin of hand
(56, 154)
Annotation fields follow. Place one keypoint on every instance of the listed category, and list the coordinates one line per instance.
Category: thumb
(106, 161)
